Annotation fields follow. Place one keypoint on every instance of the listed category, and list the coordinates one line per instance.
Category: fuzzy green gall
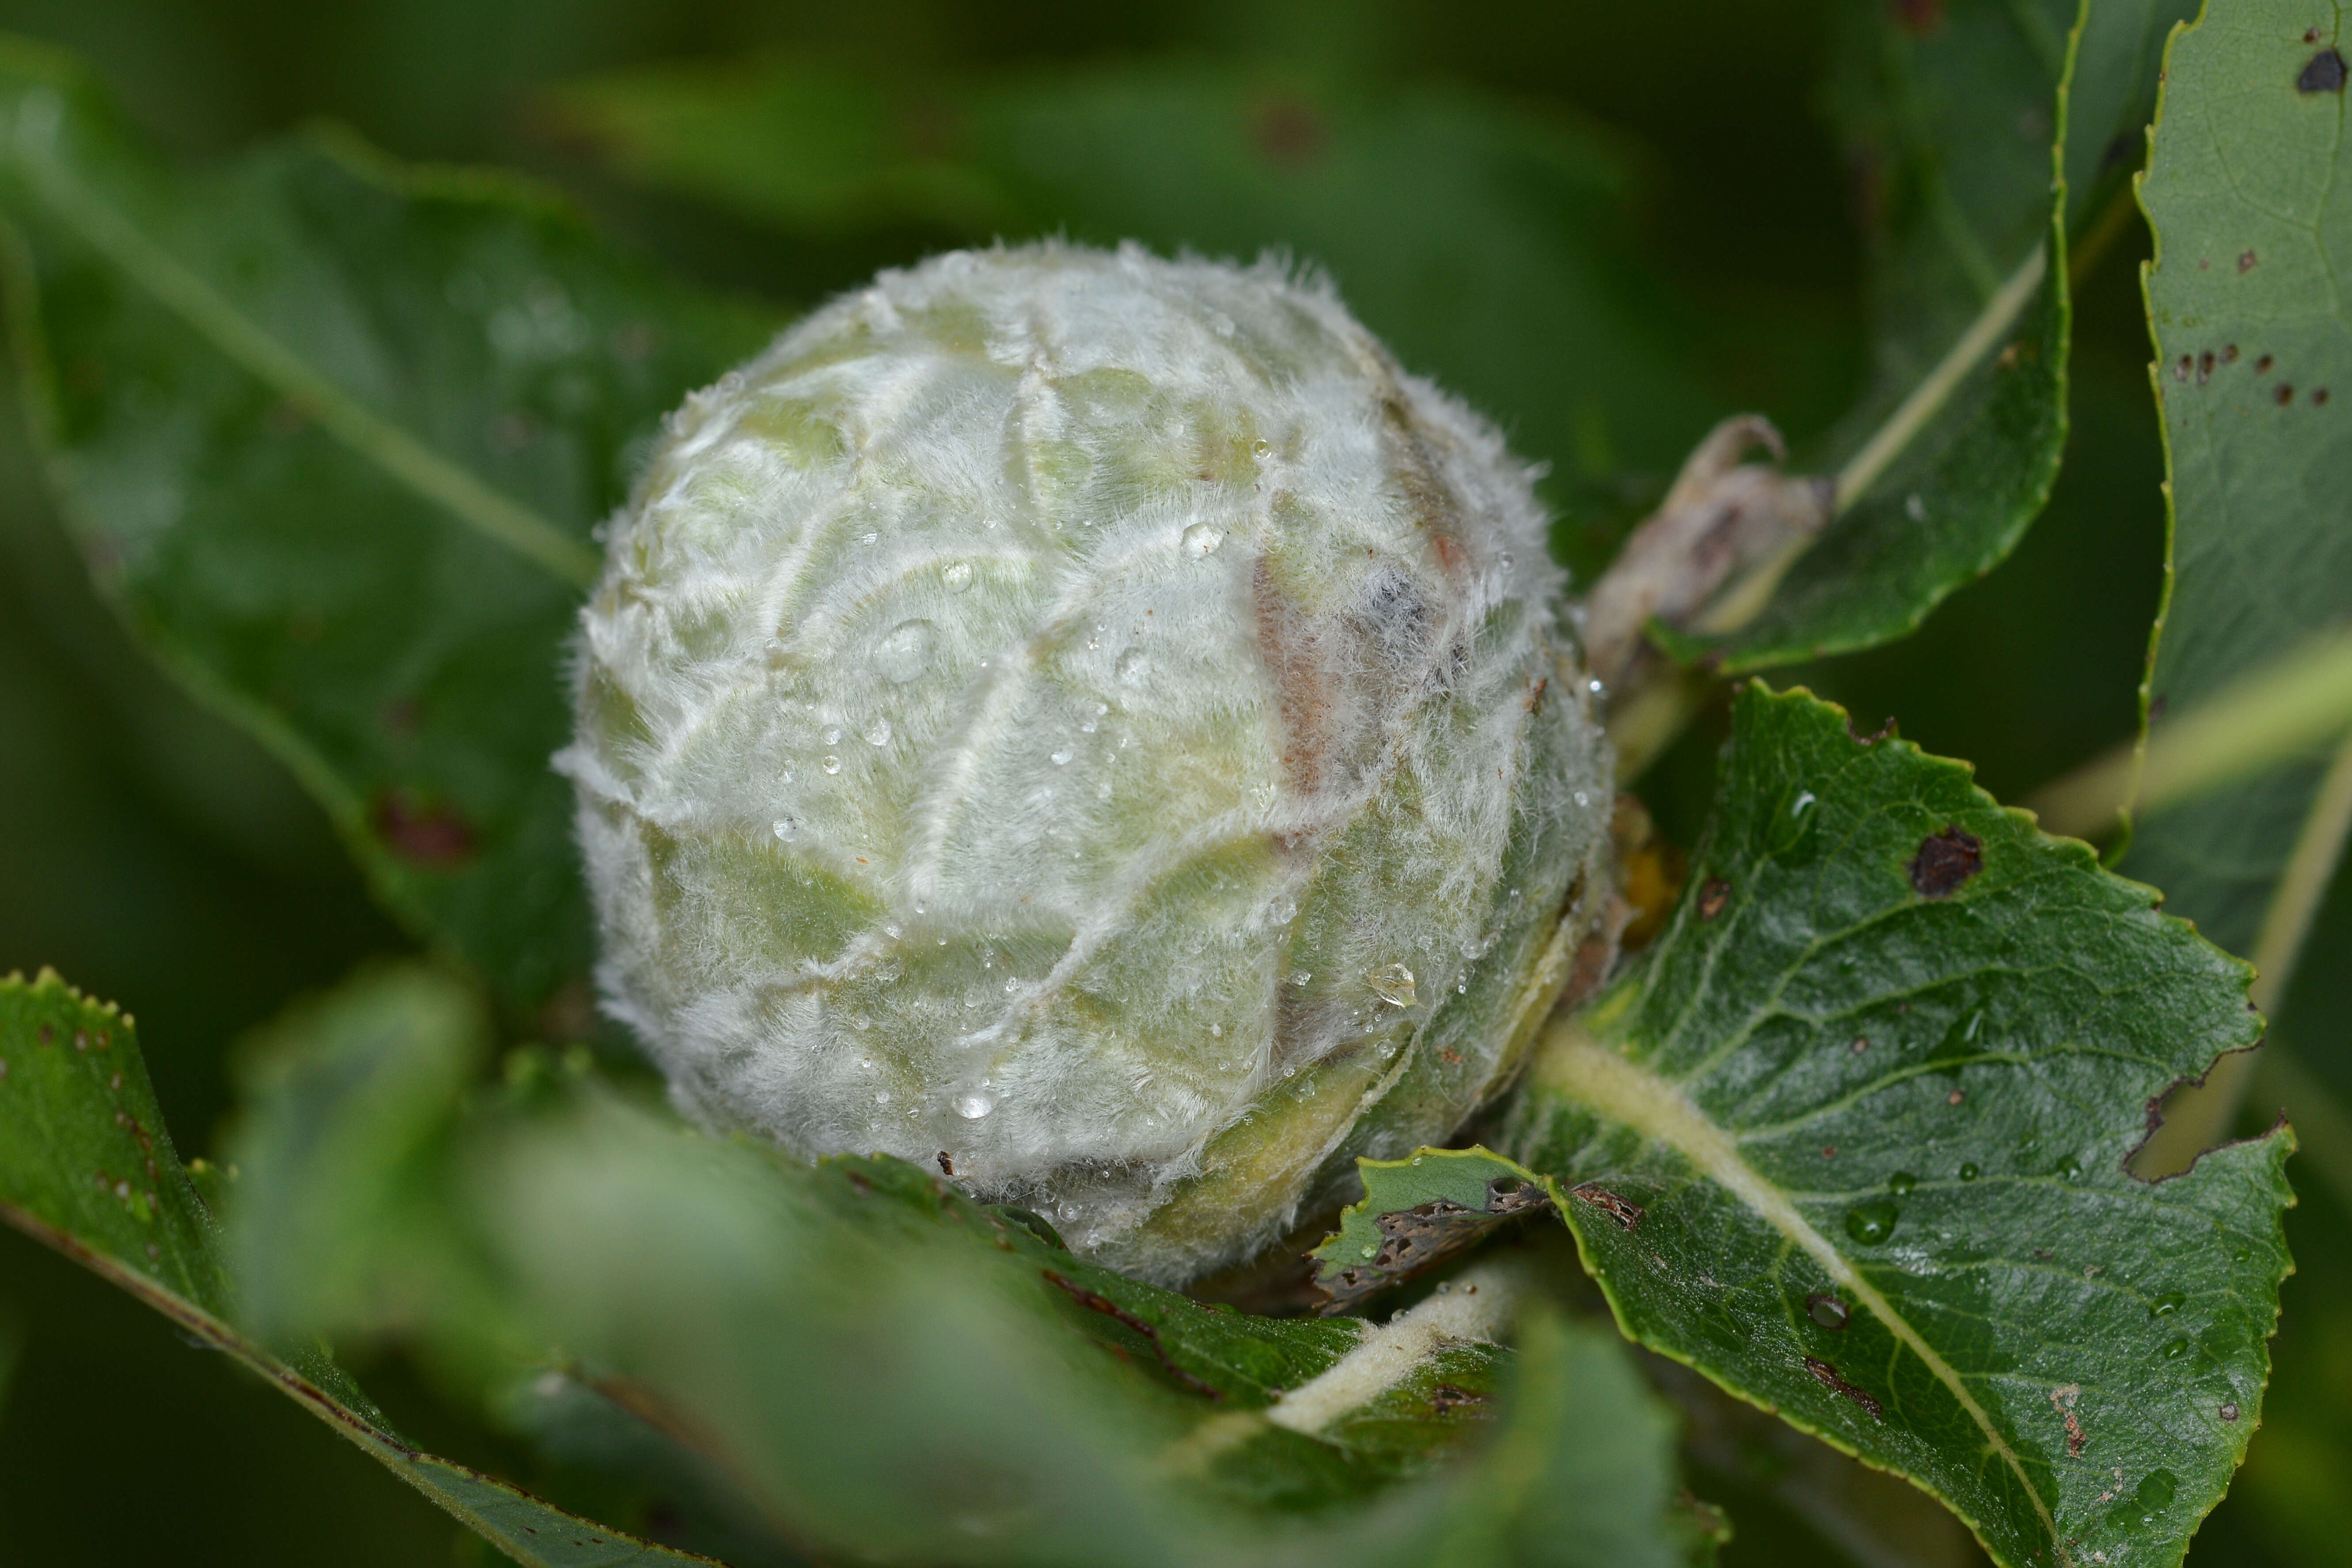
(1096, 726)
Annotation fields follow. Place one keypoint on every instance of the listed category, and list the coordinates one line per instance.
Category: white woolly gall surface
(1094, 723)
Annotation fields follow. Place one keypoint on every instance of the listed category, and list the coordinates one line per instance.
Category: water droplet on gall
(975, 1104)
(905, 650)
(1202, 540)
(958, 576)
(833, 764)
(1062, 756)
(1392, 984)
(878, 733)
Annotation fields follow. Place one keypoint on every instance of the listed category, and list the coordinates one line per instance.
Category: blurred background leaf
(78, 1099)
(335, 434)
(885, 1367)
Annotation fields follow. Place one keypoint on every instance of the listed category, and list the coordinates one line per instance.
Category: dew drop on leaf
(1968, 1171)
(2175, 1348)
(1872, 1222)
(2164, 1306)
(1827, 1309)
(1900, 1183)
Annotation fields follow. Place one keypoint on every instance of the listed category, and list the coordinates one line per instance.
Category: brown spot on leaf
(2263, 366)
(1446, 1397)
(2324, 73)
(1918, 18)
(1418, 1238)
(2245, 261)
(1287, 133)
(2062, 1399)
(1826, 1375)
(429, 834)
(2229, 353)
(1624, 1211)
(2204, 366)
(2181, 367)
(1945, 860)
(2319, 395)
(1095, 1302)
(2285, 395)
(1712, 897)
(1885, 732)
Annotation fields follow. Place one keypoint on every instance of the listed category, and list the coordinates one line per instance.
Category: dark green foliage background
(154, 854)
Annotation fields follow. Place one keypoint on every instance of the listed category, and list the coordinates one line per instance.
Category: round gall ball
(1092, 723)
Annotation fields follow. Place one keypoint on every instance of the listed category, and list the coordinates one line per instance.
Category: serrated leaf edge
(411, 1465)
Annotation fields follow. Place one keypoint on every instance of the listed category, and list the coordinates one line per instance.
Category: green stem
(2257, 721)
(2201, 1116)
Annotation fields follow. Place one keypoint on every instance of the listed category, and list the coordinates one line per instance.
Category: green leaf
(1417, 1213)
(2255, 382)
(986, 1395)
(86, 1167)
(1850, 1140)
(1951, 113)
(1489, 244)
(335, 435)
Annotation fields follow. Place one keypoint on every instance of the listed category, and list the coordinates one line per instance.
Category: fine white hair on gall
(1097, 719)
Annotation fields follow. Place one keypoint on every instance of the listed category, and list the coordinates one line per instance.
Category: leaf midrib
(475, 503)
(1594, 1076)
